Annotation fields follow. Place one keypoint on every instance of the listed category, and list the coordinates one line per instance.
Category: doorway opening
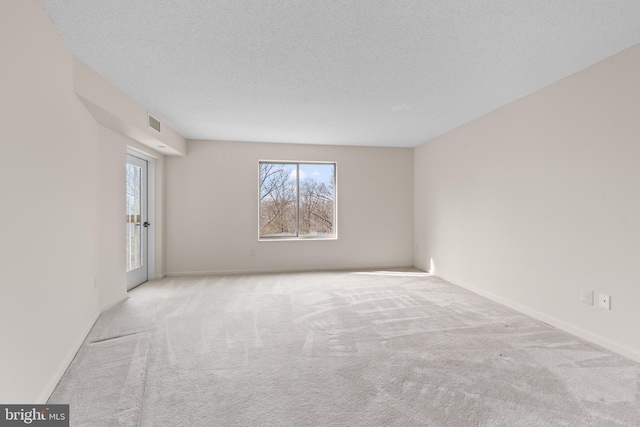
(139, 219)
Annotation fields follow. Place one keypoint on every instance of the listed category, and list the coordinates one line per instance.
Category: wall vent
(154, 123)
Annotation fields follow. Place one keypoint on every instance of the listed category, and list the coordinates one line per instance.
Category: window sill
(295, 239)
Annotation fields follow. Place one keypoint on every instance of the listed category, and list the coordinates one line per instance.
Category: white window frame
(297, 237)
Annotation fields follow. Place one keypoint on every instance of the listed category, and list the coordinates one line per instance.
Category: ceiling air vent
(154, 123)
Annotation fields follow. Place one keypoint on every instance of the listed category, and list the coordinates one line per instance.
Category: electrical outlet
(605, 301)
(586, 296)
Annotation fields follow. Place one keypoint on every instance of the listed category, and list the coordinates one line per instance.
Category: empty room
(319, 213)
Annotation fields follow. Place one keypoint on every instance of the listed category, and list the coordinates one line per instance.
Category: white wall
(110, 163)
(47, 181)
(541, 198)
(62, 207)
(212, 209)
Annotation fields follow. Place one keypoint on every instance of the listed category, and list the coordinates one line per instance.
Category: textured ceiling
(360, 72)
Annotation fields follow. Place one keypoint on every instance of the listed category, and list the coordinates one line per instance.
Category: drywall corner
(117, 111)
(44, 395)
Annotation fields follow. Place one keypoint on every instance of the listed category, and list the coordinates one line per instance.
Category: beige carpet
(337, 349)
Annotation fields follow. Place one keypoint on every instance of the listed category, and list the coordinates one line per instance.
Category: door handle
(146, 224)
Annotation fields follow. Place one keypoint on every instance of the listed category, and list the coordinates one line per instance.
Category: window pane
(317, 195)
(278, 198)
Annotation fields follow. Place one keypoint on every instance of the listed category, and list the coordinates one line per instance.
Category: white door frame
(151, 211)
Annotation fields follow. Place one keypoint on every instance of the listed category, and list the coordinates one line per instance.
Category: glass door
(136, 222)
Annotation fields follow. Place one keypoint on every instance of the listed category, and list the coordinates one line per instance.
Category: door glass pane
(134, 210)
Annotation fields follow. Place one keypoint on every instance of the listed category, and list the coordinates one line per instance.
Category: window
(297, 200)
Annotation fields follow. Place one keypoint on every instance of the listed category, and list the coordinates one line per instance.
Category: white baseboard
(560, 324)
(277, 270)
(46, 393)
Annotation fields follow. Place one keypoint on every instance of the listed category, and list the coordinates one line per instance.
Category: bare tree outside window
(297, 200)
